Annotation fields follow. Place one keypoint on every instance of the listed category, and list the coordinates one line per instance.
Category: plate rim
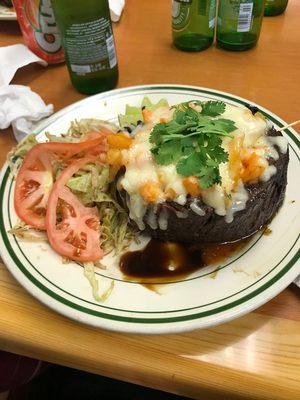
(160, 327)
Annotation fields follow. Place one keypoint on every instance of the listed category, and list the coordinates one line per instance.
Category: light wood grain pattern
(254, 357)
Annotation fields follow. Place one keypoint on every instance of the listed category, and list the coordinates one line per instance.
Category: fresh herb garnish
(192, 141)
(213, 108)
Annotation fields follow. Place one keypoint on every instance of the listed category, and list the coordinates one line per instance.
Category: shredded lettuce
(134, 114)
(61, 138)
(131, 117)
(26, 232)
(17, 154)
(79, 129)
(89, 273)
(80, 183)
(154, 106)
(25, 145)
(116, 233)
(93, 187)
(90, 184)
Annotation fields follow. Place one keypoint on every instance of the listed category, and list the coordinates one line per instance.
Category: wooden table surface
(253, 357)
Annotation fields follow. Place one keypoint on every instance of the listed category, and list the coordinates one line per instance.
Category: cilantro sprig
(192, 140)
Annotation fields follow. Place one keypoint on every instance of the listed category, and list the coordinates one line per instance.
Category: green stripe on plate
(125, 310)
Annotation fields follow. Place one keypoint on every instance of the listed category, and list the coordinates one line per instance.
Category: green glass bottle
(275, 7)
(88, 43)
(193, 23)
(239, 23)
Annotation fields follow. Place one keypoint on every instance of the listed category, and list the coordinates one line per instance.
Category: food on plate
(195, 172)
(203, 171)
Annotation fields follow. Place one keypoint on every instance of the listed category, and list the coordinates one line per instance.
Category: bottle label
(245, 17)
(181, 10)
(110, 45)
(89, 46)
(238, 15)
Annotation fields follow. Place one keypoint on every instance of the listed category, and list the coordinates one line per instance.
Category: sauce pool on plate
(167, 260)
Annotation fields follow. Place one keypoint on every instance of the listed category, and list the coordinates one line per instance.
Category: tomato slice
(96, 134)
(33, 185)
(102, 147)
(73, 230)
(67, 150)
(35, 177)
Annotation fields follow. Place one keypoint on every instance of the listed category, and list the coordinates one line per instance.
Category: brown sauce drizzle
(165, 261)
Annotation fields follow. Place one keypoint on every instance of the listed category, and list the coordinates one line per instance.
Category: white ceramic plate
(247, 280)
(7, 13)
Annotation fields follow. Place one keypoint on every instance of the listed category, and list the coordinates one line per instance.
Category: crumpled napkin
(116, 8)
(14, 57)
(19, 105)
(21, 108)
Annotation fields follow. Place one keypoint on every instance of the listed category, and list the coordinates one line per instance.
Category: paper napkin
(21, 108)
(14, 57)
(116, 8)
(19, 105)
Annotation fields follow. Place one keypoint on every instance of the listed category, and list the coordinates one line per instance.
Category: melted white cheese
(196, 208)
(141, 168)
(279, 141)
(227, 181)
(137, 208)
(238, 202)
(268, 173)
(250, 126)
(181, 199)
(215, 198)
(182, 214)
(152, 218)
(271, 152)
(163, 220)
(170, 179)
(161, 113)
